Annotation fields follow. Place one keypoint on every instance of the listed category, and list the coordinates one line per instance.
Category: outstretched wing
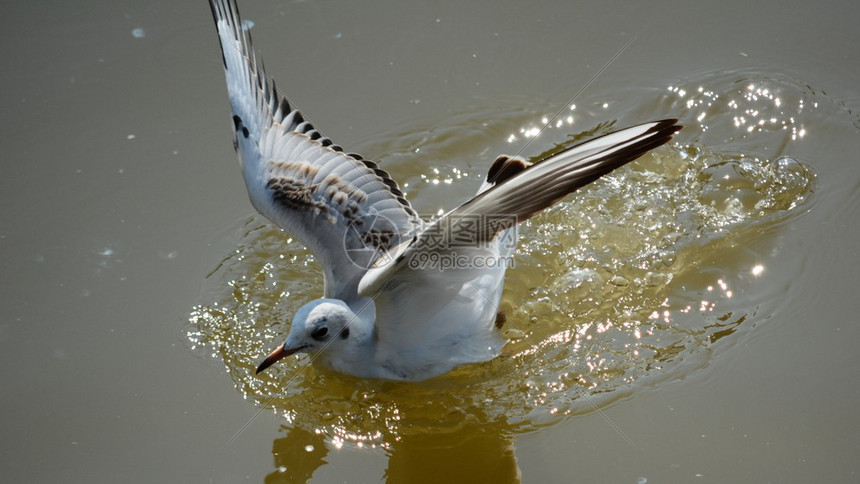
(520, 193)
(345, 209)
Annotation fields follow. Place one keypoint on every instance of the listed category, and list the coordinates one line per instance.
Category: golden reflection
(297, 456)
(476, 455)
(614, 290)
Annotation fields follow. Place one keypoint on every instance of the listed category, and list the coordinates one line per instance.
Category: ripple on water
(630, 283)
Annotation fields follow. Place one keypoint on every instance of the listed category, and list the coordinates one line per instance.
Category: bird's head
(319, 326)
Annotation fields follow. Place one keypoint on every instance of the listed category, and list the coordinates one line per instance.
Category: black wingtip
(215, 17)
(505, 167)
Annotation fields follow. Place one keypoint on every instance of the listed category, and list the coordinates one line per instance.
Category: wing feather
(532, 188)
(345, 209)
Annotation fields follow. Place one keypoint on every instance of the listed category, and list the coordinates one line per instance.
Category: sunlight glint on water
(628, 283)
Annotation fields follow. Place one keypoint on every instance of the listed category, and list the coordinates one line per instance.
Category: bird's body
(404, 299)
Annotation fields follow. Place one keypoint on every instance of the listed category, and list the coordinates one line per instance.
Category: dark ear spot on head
(345, 333)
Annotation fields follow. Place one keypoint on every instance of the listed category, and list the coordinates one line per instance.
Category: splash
(637, 279)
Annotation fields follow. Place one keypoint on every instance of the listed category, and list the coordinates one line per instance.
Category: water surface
(629, 283)
(698, 303)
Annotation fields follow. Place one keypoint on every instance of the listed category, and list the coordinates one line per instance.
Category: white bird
(403, 299)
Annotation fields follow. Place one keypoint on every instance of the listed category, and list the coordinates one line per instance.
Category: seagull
(403, 298)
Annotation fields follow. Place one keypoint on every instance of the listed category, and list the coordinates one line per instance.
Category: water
(614, 291)
(690, 317)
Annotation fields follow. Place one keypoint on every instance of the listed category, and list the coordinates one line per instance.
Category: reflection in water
(477, 454)
(467, 457)
(297, 455)
(631, 282)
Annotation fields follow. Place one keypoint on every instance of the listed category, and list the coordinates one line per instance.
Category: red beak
(276, 355)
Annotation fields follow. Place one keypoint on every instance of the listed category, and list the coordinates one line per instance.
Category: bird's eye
(319, 333)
